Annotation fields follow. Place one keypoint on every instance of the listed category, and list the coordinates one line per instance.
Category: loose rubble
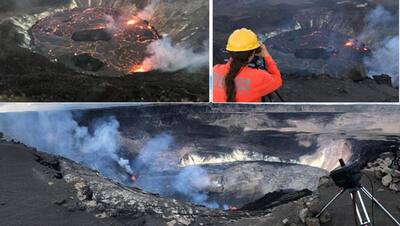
(386, 168)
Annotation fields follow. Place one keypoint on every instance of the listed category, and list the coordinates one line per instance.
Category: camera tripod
(362, 216)
(347, 178)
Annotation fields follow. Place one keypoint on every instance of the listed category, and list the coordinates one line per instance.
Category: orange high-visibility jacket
(251, 84)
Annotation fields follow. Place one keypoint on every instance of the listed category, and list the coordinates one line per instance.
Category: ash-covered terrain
(195, 164)
(327, 50)
(104, 50)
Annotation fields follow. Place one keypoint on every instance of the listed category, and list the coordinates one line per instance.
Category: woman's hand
(264, 52)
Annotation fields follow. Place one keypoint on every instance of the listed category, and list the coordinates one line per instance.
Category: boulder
(383, 79)
(386, 180)
(92, 35)
(304, 214)
(325, 182)
(311, 221)
(87, 62)
(325, 217)
(394, 187)
(314, 206)
(396, 173)
(286, 222)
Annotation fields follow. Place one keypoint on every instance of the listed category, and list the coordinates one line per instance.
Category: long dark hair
(239, 60)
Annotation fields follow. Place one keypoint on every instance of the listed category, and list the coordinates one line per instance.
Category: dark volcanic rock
(383, 79)
(312, 53)
(92, 35)
(275, 199)
(87, 62)
(358, 73)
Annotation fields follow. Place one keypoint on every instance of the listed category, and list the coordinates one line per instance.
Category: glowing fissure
(329, 151)
(193, 159)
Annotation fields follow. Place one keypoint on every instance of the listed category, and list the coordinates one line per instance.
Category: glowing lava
(130, 36)
(349, 43)
(144, 67)
(132, 21)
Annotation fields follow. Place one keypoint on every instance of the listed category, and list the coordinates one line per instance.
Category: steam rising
(156, 158)
(328, 152)
(148, 12)
(58, 133)
(166, 56)
(385, 58)
(191, 181)
(98, 146)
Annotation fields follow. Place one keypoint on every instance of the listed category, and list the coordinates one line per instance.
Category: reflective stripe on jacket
(251, 84)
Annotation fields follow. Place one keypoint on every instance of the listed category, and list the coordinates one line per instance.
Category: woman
(236, 81)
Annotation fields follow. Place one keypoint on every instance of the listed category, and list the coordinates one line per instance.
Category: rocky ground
(324, 88)
(306, 80)
(27, 76)
(42, 189)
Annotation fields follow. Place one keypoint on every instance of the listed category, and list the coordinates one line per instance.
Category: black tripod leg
(375, 201)
(330, 202)
(279, 96)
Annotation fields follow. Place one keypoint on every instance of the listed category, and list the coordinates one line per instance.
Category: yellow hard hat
(242, 40)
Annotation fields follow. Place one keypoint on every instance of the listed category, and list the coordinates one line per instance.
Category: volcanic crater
(311, 39)
(71, 46)
(118, 41)
(222, 157)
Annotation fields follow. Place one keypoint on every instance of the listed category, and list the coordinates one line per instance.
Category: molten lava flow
(144, 67)
(349, 43)
(133, 179)
(132, 21)
(126, 43)
(233, 208)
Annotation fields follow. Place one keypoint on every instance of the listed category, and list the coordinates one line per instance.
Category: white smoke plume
(148, 12)
(166, 56)
(58, 133)
(189, 182)
(384, 45)
(329, 151)
(98, 147)
(385, 59)
(378, 19)
(192, 181)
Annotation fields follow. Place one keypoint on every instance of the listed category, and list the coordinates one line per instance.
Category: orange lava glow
(349, 43)
(144, 67)
(133, 179)
(132, 21)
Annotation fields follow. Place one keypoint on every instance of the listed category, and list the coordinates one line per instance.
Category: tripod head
(347, 176)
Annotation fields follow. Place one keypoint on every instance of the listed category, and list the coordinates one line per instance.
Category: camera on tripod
(347, 177)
